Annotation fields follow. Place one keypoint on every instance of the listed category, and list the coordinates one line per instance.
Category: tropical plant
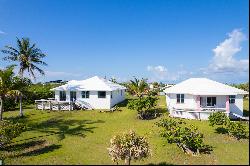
(234, 129)
(9, 131)
(218, 118)
(27, 56)
(237, 130)
(138, 87)
(143, 106)
(188, 138)
(7, 87)
(128, 146)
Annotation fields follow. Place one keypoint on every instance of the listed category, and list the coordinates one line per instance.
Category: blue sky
(162, 40)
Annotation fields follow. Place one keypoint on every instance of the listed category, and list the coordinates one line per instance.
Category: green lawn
(246, 107)
(82, 137)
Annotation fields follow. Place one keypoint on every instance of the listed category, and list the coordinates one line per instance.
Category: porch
(51, 104)
(201, 114)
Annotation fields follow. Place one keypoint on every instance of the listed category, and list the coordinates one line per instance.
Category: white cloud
(2, 32)
(224, 55)
(161, 73)
(60, 74)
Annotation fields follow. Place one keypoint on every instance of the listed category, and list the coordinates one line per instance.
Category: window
(211, 101)
(232, 99)
(72, 95)
(101, 94)
(85, 94)
(62, 96)
(180, 98)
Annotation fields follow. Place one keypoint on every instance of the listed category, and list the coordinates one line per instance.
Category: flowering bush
(127, 147)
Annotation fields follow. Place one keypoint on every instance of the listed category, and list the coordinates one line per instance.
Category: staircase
(238, 116)
(83, 105)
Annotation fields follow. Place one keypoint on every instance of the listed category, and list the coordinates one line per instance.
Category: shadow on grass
(61, 128)
(22, 146)
(123, 103)
(245, 113)
(151, 114)
(221, 130)
(207, 149)
(45, 149)
(31, 148)
(161, 163)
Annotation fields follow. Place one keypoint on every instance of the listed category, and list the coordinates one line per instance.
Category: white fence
(53, 105)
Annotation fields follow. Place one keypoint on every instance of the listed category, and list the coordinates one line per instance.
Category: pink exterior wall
(227, 104)
(198, 103)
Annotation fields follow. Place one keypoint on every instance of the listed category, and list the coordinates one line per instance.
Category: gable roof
(91, 84)
(203, 86)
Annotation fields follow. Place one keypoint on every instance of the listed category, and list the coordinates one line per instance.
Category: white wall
(190, 102)
(237, 107)
(94, 101)
(117, 97)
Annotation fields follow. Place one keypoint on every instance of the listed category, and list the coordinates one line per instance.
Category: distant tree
(27, 56)
(113, 80)
(138, 87)
(127, 147)
(7, 87)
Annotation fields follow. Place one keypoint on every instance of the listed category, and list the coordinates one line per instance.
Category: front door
(72, 95)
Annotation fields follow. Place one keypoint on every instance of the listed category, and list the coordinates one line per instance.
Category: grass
(82, 137)
(246, 107)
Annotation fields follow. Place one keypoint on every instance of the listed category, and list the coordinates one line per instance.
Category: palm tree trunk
(21, 108)
(1, 108)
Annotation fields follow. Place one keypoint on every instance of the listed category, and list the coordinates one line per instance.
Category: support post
(42, 105)
(198, 103)
(50, 107)
(227, 105)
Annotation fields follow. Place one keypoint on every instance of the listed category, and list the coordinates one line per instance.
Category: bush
(9, 104)
(237, 130)
(9, 131)
(188, 138)
(127, 147)
(218, 118)
(143, 106)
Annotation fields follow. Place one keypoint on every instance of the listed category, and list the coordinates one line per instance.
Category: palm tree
(27, 56)
(138, 87)
(7, 87)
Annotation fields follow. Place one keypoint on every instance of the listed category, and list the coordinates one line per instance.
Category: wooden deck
(54, 105)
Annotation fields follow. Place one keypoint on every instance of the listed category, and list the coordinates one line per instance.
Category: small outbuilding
(94, 93)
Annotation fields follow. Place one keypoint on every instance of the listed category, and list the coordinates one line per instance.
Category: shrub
(218, 118)
(127, 147)
(9, 131)
(9, 104)
(143, 106)
(188, 138)
(237, 130)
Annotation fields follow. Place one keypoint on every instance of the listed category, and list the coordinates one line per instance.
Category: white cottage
(95, 92)
(197, 98)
